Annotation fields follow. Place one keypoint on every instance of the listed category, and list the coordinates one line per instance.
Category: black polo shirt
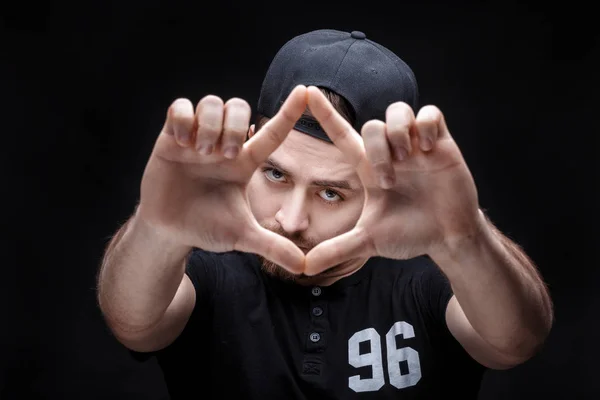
(378, 334)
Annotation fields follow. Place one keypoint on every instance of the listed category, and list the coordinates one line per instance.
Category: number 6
(408, 354)
(375, 360)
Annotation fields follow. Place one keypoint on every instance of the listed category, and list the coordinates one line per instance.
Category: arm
(501, 312)
(190, 198)
(143, 292)
(420, 204)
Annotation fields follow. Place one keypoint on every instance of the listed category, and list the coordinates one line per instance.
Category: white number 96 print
(374, 359)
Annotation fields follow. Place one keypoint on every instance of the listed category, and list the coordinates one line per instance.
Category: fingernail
(230, 152)
(183, 138)
(206, 149)
(426, 144)
(401, 153)
(386, 182)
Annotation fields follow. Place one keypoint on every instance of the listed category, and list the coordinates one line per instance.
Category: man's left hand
(420, 195)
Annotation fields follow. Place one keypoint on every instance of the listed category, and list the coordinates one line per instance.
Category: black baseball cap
(368, 75)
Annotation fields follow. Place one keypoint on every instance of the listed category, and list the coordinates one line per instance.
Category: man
(333, 249)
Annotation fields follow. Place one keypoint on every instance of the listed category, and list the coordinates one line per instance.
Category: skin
(420, 198)
(288, 196)
(417, 200)
(206, 186)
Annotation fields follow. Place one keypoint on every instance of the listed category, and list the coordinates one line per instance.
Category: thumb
(334, 251)
(273, 247)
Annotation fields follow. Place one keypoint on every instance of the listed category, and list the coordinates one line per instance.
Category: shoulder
(417, 281)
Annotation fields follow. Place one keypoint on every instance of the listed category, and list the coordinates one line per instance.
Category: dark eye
(274, 175)
(330, 196)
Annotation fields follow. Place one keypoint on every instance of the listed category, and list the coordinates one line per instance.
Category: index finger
(260, 146)
(337, 128)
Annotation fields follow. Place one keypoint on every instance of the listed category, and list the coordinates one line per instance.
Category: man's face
(307, 192)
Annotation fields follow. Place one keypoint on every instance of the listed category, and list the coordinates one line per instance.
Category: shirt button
(317, 311)
(316, 291)
(315, 337)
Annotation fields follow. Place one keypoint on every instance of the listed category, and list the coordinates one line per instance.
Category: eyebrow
(342, 184)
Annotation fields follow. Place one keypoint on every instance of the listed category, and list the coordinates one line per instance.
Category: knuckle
(379, 156)
(209, 125)
(398, 136)
(179, 108)
(373, 128)
(345, 132)
(426, 125)
(429, 114)
(235, 132)
(400, 108)
(210, 116)
(237, 103)
(181, 101)
(233, 138)
(236, 121)
(209, 128)
(402, 141)
(210, 100)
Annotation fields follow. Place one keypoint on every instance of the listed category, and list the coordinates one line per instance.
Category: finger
(209, 119)
(399, 117)
(273, 247)
(331, 252)
(235, 126)
(338, 129)
(378, 152)
(272, 134)
(430, 126)
(180, 122)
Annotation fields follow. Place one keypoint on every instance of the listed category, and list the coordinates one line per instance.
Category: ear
(251, 131)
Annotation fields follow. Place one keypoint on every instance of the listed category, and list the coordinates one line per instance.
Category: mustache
(297, 239)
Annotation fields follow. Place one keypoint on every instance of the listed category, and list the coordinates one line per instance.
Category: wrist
(155, 237)
(458, 249)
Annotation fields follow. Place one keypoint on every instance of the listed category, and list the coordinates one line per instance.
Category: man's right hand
(194, 191)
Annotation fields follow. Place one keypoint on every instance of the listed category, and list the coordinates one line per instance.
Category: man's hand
(194, 184)
(420, 195)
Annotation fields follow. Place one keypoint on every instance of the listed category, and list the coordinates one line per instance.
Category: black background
(85, 88)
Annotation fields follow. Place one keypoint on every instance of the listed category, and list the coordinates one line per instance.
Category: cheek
(263, 203)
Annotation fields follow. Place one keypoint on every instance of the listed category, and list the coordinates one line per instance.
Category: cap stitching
(395, 63)
(335, 76)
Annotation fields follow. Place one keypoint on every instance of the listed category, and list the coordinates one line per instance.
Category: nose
(293, 214)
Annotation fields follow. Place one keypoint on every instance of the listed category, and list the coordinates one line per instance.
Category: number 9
(375, 359)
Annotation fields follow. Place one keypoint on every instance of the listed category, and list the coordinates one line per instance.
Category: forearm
(499, 289)
(139, 276)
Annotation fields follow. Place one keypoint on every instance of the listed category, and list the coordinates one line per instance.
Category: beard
(276, 270)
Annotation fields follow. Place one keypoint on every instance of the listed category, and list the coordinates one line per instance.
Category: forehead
(307, 155)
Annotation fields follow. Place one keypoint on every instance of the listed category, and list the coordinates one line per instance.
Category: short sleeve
(434, 293)
(201, 268)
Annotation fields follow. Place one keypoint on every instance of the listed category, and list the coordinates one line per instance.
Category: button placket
(316, 335)
(317, 304)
